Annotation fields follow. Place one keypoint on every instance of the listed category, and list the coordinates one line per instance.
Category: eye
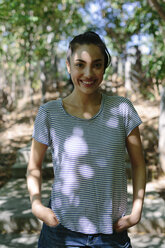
(98, 65)
(79, 65)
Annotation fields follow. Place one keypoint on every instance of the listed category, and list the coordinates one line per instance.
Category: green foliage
(125, 19)
(29, 35)
(146, 20)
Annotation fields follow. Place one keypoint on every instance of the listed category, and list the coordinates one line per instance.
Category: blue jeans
(61, 237)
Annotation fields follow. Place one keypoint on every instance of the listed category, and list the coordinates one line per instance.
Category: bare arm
(34, 181)
(134, 148)
(34, 171)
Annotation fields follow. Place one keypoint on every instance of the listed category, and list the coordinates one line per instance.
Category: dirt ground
(17, 126)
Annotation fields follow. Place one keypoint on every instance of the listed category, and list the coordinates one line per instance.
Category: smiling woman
(88, 133)
(86, 68)
(87, 60)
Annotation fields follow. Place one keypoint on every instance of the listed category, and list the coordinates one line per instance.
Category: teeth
(87, 82)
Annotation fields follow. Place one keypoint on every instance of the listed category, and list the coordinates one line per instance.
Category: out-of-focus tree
(30, 32)
(148, 18)
(159, 68)
(136, 30)
(139, 25)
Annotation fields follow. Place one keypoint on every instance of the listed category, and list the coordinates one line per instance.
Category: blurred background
(34, 37)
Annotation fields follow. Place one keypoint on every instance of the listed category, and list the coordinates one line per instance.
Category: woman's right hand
(34, 180)
(45, 214)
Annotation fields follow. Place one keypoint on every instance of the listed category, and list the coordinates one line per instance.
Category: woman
(88, 132)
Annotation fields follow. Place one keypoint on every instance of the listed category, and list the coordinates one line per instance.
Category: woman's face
(86, 68)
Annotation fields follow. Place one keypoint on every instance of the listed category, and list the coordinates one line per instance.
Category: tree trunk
(128, 83)
(43, 86)
(157, 6)
(162, 132)
(120, 68)
(43, 79)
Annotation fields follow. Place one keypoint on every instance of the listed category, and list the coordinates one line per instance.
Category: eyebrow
(96, 60)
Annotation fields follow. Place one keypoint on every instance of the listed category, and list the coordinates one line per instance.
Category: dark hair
(89, 37)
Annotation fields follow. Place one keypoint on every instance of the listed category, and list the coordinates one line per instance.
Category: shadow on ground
(20, 229)
(18, 240)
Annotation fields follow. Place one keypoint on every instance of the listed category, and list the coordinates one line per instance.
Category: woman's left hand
(126, 222)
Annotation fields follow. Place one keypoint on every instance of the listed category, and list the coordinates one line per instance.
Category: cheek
(75, 73)
(75, 76)
(100, 74)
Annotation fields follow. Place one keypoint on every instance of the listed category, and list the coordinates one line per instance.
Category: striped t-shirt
(89, 192)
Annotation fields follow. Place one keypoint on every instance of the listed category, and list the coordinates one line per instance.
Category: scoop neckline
(83, 119)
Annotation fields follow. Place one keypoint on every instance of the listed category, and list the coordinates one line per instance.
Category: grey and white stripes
(89, 190)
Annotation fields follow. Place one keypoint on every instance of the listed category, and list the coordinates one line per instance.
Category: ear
(68, 66)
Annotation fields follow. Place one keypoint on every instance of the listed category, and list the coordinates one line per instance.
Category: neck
(84, 100)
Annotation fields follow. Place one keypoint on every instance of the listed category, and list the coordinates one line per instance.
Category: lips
(87, 83)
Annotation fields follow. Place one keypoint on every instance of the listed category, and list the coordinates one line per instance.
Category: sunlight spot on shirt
(113, 122)
(70, 183)
(74, 200)
(77, 201)
(86, 225)
(68, 176)
(124, 107)
(75, 145)
(86, 171)
(78, 131)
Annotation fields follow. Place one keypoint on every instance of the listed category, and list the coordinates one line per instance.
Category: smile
(87, 83)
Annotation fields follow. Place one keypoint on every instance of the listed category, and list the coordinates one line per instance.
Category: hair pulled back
(89, 37)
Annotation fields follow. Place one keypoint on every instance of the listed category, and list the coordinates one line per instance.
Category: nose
(88, 72)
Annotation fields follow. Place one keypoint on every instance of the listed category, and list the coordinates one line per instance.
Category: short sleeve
(41, 131)
(131, 117)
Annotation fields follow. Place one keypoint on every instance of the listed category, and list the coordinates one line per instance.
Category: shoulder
(118, 105)
(50, 106)
(116, 100)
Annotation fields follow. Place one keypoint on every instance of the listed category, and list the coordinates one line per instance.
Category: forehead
(87, 52)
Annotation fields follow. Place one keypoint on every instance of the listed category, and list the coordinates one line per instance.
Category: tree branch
(158, 8)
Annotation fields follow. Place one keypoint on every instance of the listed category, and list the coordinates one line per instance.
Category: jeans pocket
(58, 225)
(51, 227)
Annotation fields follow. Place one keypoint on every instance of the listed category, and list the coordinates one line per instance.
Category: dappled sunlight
(68, 176)
(24, 240)
(84, 222)
(81, 177)
(75, 145)
(82, 162)
(18, 240)
(105, 215)
(113, 122)
(152, 220)
(15, 202)
(86, 171)
(34, 39)
(150, 240)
